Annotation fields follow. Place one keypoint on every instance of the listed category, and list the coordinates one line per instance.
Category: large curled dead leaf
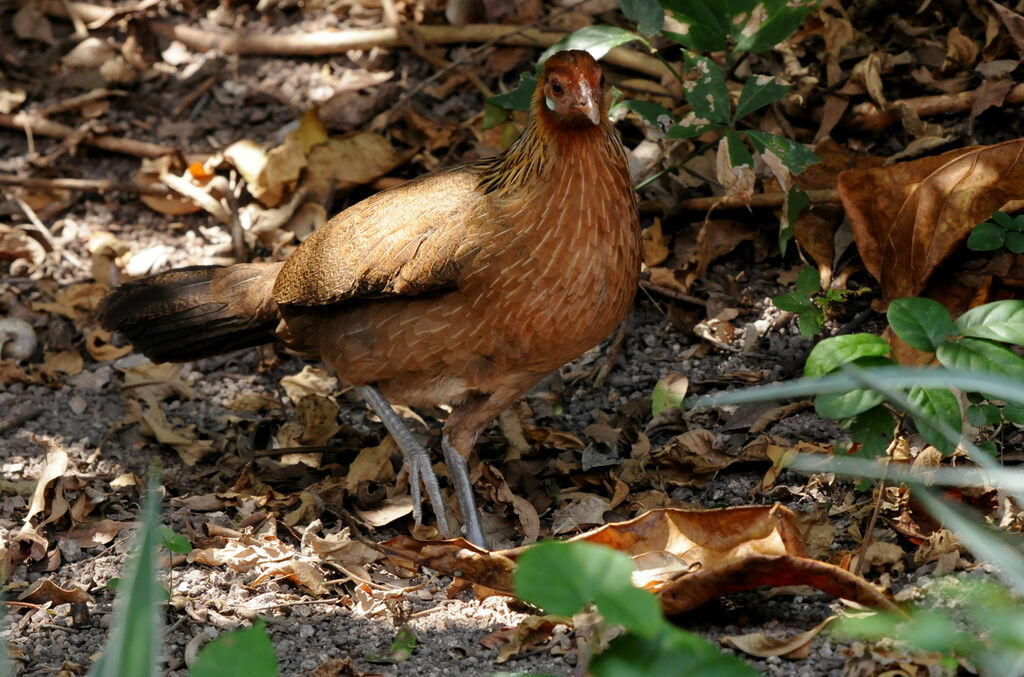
(908, 218)
(686, 557)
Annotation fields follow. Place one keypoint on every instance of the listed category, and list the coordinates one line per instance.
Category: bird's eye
(556, 88)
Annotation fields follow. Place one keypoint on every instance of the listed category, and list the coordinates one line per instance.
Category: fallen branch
(868, 117)
(760, 201)
(320, 43)
(35, 124)
(99, 186)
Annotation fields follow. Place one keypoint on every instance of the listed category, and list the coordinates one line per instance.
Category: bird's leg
(464, 492)
(416, 458)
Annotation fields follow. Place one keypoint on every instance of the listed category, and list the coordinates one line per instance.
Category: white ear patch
(549, 102)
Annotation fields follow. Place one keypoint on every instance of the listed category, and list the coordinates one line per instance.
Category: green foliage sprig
(975, 341)
(737, 28)
(563, 578)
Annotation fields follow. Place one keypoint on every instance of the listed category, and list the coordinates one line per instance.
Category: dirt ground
(202, 103)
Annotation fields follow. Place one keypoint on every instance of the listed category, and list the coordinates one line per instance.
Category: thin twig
(35, 225)
(672, 294)
(35, 124)
(85, 185)
(323, 43)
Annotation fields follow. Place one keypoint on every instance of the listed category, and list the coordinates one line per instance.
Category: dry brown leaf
(761, 645)
(155, 382)
(389, 510)
(718, 552)
(371, 465)
(310, 381)
(653, 242)
(345, 162)
(737, 181)
(77, 302)
(255, 402)
(530, 632)
(319, 416)
(307, 576)
(150, 171)
(493, 485)
(96, 533)
(101, 349)
(816, 235)
(64, 362)
(908, 218)
(46, 591)
(582, 510)
(341, 549)
(200, 503)
(17, 244)
(153, 423)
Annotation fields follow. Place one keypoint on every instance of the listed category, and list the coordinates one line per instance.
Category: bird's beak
(589, 108)
(587, 104)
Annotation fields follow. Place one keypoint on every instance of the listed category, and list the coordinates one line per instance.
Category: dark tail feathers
(191, 313)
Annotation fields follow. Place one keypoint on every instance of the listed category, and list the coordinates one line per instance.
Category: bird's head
(571, 89)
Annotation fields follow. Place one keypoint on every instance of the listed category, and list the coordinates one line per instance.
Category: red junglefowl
(462, 287)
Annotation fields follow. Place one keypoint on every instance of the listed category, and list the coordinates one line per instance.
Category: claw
(421, 472)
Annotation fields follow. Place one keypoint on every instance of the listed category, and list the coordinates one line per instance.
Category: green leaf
(669, 392)
(174, 542)
(999, 321)
(648, 15)
(874, 430)
(656, 114)
(598, 40)
(758, 92)
(1015, 242)
(782, 19)
(670, 652)
(921, 323)
(691, 126)
(796, 202)
(793, 302)
(808, 282)
(796, 156)
(832, 352)
(518, 98)
(986, 237)
(936, 404)
(983, 414)
(980, 355)
(562, 578)
(401, 648)
(739, 154)
(810, 322)
(637, 610)
(494, 114)
(706, 23)
(133, 648)
(708, 93)
(1004, 220)
(1014, 414)
(846, 405)
(240, 652)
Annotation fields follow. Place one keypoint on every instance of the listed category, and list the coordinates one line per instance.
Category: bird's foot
(464, 493)
(421, 471)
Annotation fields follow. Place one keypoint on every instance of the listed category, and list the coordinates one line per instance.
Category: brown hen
(462, 287)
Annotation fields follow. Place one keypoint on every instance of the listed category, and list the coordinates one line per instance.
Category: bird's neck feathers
(546, 141)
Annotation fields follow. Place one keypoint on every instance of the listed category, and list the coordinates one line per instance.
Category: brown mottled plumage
(462, 287)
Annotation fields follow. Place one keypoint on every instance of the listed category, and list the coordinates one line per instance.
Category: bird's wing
(402, 241)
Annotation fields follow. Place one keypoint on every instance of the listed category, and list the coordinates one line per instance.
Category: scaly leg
(464, 492)
(416, 458)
